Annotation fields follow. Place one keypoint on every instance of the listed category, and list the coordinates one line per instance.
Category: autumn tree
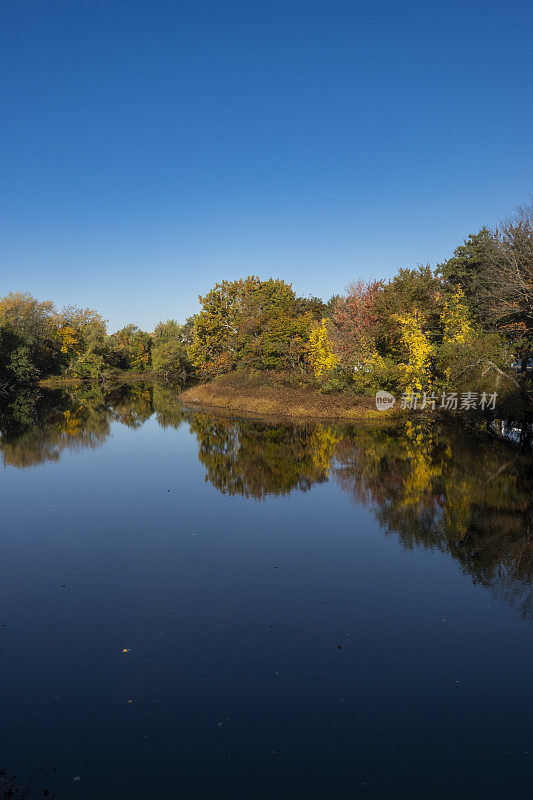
(415, 291)
(81, 336)
(320, 353)
(129, 349)
(506, 294)
(314, 305)
(251, 324)
(27, 337)
(415, 366)
(355, 323)
(169, 351)
(214, 350)
(329, 306)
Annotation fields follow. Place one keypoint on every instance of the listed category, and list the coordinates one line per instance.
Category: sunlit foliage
(320, 353)
(456, 324)
(81, 337)
(469, 320)
(169, 354)
(250, 324)
(415, 368)
(355, 324)
(27, 347)
(129, 349)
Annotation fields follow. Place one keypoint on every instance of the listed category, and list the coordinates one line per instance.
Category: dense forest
(468, 323)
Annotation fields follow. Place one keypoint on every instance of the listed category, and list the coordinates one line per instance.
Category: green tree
(28, 337)
(16, 363)
(81, 338)
(466, 267)
(129, 349)
(313, 305)
(169, 351)
(252, 324)
(411, 291)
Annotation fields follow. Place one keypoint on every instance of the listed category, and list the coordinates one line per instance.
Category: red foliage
(355, 320)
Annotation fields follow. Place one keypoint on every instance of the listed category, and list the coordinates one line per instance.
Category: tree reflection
(433, 486)
(255, 459)
(447, 489)
(36, 428)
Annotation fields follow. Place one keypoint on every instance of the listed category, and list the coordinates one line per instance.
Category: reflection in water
(433, 486)
(35, 429)
(255, 459)
(440, 488)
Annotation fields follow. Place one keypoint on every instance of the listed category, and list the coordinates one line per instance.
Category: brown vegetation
(279, 395)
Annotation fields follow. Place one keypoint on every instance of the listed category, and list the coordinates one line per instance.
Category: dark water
(197, 607)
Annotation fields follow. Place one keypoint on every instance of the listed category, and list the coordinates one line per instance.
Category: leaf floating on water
(126, 650)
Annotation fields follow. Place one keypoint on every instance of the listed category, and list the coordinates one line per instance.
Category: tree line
(468, 322)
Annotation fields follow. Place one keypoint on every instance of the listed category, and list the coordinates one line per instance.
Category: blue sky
(151, 148)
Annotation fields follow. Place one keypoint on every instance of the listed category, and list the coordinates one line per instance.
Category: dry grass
(280, 396)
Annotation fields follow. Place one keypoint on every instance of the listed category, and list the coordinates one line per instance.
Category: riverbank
(117, 378)
(273, 396)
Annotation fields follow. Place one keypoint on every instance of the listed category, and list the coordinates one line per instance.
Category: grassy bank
(275, 395)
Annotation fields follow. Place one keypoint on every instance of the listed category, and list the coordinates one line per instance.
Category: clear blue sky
(150, 148)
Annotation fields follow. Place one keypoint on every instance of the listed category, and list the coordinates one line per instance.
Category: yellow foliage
(68, 339)
(424, 468)
(322, 445)
(417, 371)
(319, 351)
(455, 320)
(72, 425)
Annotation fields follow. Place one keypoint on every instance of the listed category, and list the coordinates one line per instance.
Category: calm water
(197, 607)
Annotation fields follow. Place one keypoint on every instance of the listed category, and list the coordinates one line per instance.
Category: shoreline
(256, 396)
(56, 382)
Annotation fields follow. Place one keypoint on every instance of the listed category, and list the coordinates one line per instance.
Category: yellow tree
(416, 370)
(320, 354)
(455, 319)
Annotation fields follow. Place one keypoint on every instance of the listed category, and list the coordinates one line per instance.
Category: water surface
(195, 607)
